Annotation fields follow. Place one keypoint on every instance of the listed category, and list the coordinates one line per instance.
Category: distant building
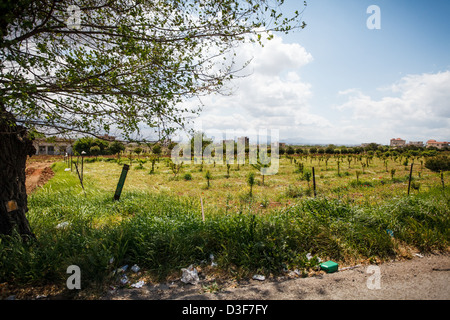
(437, 144)
(415, 143)
(398, 142)
(53, 146)
(107, 138)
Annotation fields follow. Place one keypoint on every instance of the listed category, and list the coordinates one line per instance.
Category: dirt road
(426, 278)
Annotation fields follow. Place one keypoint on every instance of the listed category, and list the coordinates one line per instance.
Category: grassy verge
(163, 233)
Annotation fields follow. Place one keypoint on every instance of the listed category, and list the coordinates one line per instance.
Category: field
(361, 213)
(229, 189)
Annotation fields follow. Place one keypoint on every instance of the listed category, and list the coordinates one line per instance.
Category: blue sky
(339, 82)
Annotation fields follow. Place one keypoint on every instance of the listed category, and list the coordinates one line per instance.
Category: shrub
(437, 164)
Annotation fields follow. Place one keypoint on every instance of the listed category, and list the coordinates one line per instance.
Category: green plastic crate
(329, 266)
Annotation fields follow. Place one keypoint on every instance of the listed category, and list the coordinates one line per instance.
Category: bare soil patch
(37, 174)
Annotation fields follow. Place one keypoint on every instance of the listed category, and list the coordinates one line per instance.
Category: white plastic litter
(309, 256)
(135, 268)
(124, 279)
(62, 225)
(259, 277)
(190, 275)
(138, 284)
(213, 264)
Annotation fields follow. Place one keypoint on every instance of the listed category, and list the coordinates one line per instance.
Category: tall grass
(163, 233)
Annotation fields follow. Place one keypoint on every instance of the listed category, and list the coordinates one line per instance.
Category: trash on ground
(190, 275)
(329, 266)
(259, 277)
(351, 267)
(309, 256)
(123, 268)
(213, 264)
(418, 255)
(135, 268)
(138, 284)
(62, 225)
(390, 232)
(124, 279)
(67, 169)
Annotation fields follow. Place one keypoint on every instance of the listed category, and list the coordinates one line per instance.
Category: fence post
(203, 213)
(121, 182)
(81, 179)
(314, 181)
(410, 176)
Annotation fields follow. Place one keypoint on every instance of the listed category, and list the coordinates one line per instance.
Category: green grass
(163, 232)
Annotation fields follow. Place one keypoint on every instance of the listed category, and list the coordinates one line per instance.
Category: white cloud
(272, 96)
(275, 96)
(418, 106)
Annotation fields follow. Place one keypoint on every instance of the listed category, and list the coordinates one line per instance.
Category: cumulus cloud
(272, 95)
(417, 105)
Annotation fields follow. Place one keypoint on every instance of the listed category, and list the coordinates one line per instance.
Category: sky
(339, 82)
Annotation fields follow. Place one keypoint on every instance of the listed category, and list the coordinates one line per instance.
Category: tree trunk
(15, 146)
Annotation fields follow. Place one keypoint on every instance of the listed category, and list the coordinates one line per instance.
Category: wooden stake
(314, 181)
(203, 214)
(410, 176)
(81, 180)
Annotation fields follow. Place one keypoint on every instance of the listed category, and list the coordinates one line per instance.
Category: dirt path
(37, 174)
(426, 278)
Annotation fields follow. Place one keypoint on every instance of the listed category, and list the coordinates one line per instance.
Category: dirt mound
(37, 174)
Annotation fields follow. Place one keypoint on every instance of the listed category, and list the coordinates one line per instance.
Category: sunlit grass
(158, 221)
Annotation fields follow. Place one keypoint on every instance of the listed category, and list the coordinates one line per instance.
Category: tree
(307, 177)
(116, 147)
(102, 144)
(138, 151)
(439, 164)
(329, 149)
(251, 181)
(199, 141)
(95, 151)
(290, 150)
(262, 162)
(88, 66)
(157, 149)
(208, 177)
(83, 144)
